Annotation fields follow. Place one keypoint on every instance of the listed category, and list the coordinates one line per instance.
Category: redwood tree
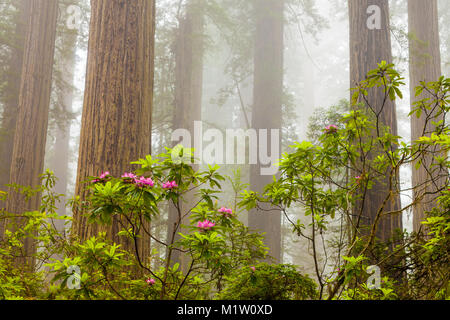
(370, 43)
(10, 97)
(424, 65)
(266, 111)
(33, 106)
(116, 118)
(188, 91)
(59, 163)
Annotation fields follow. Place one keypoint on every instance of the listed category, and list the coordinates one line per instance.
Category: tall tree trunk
(266, 111)
(60, 159)
(188, 93)
(60, 166)
(32, 116)
(367, 48)
(10, 97)
(116, 118)
(424, 65)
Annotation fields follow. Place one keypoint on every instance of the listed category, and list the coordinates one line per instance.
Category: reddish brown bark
(32, 117)
(117, 106)
(10, 99)
(424, 65)
(368, 47)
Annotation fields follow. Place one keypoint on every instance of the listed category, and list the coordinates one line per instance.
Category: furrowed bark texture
(10, 99)
(32, 115)
(367, 48)
(116, 119)
(424, 65)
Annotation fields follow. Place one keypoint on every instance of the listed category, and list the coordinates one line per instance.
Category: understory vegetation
(328, 177)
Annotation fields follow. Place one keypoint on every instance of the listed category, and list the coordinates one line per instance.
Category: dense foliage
(222, 258)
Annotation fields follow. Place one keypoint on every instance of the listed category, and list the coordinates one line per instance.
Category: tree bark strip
(367, 48)
(266, 111)
(188, 92)
(116, 118)
(10, 97)
(424, 65)
(64, 99)
(32, 117)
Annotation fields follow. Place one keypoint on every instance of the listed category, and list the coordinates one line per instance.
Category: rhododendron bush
(220, 257)
(331, 180)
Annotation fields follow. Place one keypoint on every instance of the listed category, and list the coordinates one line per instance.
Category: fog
(316, 67)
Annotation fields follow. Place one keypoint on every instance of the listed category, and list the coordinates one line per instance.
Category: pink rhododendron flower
(144, 182)
(205, 225)
(170, 185)
(253, 268)
(228, 212)
(129, 175)
(150, 281)
(102, 176)
(331, 128)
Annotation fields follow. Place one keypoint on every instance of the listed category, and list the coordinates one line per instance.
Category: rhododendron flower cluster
(150, 281)
(226, 211)
(170, 185)
(128, 175)
(102, 176)
(139, 182)
(331, 128)
(144, 182)
(205, 225)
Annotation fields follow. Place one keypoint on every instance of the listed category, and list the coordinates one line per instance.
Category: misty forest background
(144, 69)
